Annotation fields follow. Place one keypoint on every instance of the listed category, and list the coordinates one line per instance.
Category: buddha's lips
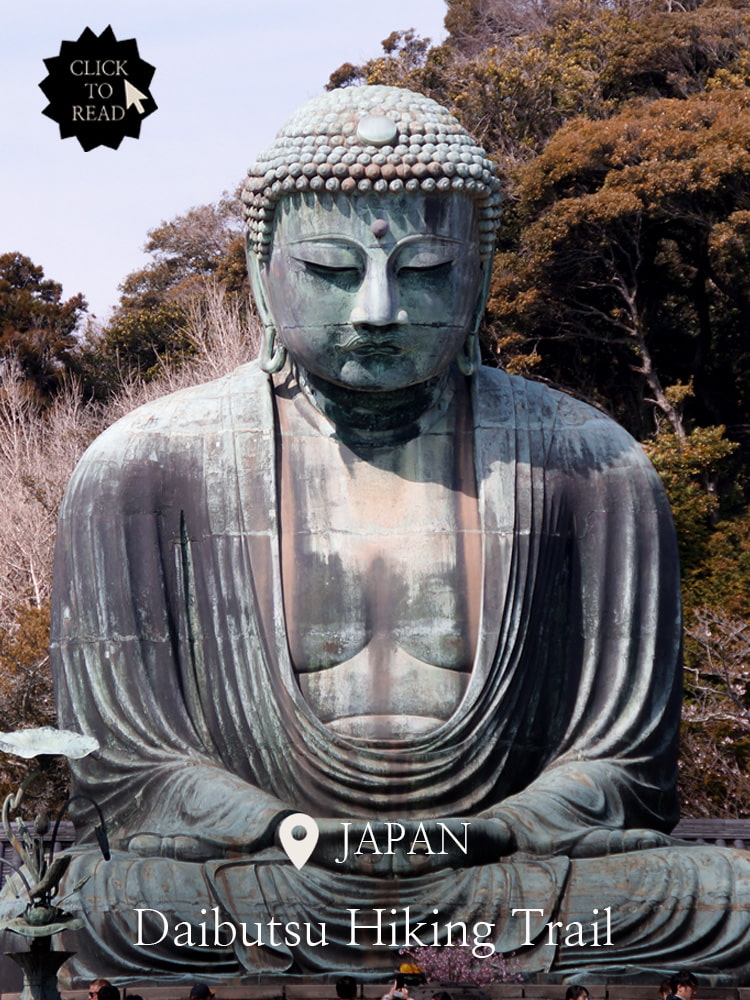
(369, 347)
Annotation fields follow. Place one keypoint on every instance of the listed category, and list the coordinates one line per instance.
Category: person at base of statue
(346, 988)
(398, 991)
(201, 991)
(96, 985)
(683, 986)
(576, 993)
(371, 580)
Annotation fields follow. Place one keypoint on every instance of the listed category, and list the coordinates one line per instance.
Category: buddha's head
(370, 226)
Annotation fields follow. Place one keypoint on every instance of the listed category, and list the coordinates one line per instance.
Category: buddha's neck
(380, 418)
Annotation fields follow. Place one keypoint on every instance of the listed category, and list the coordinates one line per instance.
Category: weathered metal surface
(365, 581)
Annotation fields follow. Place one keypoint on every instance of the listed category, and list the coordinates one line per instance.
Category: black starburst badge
(97, 89)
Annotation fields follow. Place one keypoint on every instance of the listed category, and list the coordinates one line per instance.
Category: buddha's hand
(410, 847)
(599, 842)
(180, 848)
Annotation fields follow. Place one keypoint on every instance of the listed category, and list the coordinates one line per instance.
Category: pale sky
(228, 74)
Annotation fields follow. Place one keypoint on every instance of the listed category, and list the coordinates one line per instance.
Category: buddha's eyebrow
(432, 238)
(336, 238)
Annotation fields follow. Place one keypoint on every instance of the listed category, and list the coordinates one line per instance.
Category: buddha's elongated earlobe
(467, 358)
(272, 355)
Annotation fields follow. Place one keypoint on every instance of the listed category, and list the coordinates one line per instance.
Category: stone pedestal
(40, 965)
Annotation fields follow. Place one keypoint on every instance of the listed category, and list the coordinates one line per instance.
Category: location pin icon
(298, 834)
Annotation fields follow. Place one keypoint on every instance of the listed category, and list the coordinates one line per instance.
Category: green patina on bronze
(368, 579)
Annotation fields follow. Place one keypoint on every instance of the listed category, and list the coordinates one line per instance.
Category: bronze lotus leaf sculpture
(41, 871)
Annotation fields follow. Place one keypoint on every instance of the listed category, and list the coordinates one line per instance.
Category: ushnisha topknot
(360, 139)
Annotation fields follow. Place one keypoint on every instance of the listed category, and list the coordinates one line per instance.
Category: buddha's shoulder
(174, 431)
(191, 412)
(535, 403)
(560, 423)
(198, 405)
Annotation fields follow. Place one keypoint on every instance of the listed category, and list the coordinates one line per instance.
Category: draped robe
(169, 645)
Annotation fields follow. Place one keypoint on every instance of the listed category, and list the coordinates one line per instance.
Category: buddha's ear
(257, 273)
(272, 352)
(485, 269)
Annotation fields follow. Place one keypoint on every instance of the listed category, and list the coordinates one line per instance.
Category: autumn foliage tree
(150, 327)
(622, 225)
(37, 328)
(185, 252)
(715, 756)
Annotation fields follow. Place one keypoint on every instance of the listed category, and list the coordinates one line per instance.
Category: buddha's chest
(381, 572)
(373, 561)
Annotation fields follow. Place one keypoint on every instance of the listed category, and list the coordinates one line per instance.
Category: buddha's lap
(642, 910)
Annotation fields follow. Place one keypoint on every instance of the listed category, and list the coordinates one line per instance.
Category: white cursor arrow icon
(134, 96)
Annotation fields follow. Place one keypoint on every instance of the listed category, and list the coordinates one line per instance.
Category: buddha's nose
(377, 302)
